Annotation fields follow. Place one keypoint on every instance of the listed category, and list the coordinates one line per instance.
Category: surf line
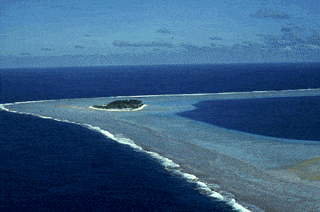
(166, 162)
(221, 93)
(2, 106)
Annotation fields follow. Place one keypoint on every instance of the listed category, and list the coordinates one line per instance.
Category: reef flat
(272, 174)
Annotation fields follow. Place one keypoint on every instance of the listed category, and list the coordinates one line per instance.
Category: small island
(121, 105)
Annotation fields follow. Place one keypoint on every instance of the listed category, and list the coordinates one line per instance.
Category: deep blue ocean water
(54, 166)
(86, 82)
(287, 117)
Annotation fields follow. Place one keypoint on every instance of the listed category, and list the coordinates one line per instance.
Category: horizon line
(160, 64)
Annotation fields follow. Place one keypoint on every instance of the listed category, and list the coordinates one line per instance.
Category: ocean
(284, 117)
(54, 166)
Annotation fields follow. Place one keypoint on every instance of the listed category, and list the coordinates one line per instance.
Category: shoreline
(120, 110)
(228, 162)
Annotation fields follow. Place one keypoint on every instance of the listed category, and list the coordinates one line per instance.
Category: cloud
(314, 47)
(142, 44)
(125, 44)
(249, 43)
(25, 54)
(79, 47)
(269, 13)
(46, 49)
(196, 49)
(285, 29)
(221, 54)
(158, 44)
(215, 38)
(276, 41)
(268, 39)
(288, 48)
(163, 30)
(293, 38)
(314, 39)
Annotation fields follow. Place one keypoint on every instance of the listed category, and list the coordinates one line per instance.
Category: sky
(55, 33)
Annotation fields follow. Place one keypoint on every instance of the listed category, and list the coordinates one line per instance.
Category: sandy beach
(260, 173)
(119, 110)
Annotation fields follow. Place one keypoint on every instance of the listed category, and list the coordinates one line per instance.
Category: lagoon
(257, 171)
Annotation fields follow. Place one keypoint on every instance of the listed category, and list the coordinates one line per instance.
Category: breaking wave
(174, 168)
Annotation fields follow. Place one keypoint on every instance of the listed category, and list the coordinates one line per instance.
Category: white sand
(253, 169)
(119, 110)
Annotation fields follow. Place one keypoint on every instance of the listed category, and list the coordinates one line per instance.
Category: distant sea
(55, 166)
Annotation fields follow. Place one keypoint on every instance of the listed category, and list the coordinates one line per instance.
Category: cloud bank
(215, 38)
(141, 44)
(270, 13)
(163, 30)
(46, 49)
(247, 52)
(79, 47)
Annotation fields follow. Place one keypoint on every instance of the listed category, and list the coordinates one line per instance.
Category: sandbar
(119, 110)
(261, 173)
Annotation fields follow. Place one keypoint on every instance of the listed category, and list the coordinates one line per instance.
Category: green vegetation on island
(121, 104)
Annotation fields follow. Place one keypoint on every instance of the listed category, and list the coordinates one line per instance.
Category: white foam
(38, 101)
(166, 162)
(46, 117)
(119, 110)
(237, 206)
(176, 95)
(6, 109)
(261, 91)
(169, 164)
(222, 93)
(216, 195)
(189, 177)
(201, 184)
